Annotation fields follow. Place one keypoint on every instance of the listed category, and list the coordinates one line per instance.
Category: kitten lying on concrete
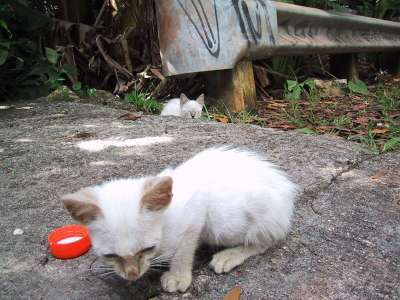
(139, 223)
(184, 107)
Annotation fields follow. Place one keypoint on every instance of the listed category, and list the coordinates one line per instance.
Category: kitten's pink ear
(184, 99)
(81, 205)
(200, 99)
(157, 193)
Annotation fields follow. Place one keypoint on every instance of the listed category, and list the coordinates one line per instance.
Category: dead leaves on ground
(130, 117)
(220, 118)
(378, 175)
(349, 116)
(80, 135)
(233, 294)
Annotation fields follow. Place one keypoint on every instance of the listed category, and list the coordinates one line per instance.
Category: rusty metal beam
(304, 30)
(207, 35)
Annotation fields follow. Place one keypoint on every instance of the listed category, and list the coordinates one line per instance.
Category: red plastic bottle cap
(69, 241)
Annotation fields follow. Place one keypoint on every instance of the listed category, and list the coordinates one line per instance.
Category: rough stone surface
(345, 242)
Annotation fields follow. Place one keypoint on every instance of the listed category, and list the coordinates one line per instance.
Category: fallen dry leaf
(324, 128)
(83, 135)
(80, 135)
(378, 175)
(283, 126)
(233, 294)
(361, 120)
(360, 106)
(220, 118)
(276, 105)
(394, 113)
(130, 117)
(380, 130)
(158, 74)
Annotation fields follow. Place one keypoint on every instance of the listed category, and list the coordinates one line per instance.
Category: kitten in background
(184, 107)
(137, 224)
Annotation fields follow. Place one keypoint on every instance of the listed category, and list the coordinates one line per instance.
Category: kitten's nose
(131, 273)
(193, 116)
(132, 276)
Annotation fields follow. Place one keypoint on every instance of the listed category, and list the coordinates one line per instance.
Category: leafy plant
(28, 69)
(294, 89)
(358, 87)
(143, 101)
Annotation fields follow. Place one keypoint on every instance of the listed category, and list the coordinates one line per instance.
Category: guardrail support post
(344, 66)
(235, 87)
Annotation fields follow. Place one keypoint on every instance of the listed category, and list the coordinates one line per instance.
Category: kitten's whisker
(163, 257)
(153, 263)
(161, 260)
(159, 265)
(105, 274)
(155, 270)
(102, 268)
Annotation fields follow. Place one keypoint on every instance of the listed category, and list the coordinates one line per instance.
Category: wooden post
(344, 66)
(235, 87)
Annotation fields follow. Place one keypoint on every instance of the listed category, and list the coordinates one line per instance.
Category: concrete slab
(51, 148)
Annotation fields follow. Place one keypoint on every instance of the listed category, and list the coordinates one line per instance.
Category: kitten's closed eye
(110, 255)
(148, 249)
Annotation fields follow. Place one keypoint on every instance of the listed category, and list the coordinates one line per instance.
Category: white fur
(190, 109)
(222, 196)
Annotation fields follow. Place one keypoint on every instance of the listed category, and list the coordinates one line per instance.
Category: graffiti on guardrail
(208, 34)
(253, 32)
(203, 35)
(247, 25)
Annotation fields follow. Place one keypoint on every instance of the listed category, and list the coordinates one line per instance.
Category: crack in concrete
(314, 193)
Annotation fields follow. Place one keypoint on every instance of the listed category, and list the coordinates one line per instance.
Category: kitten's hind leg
(225, 260)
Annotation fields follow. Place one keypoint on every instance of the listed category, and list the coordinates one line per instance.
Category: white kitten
(184, 107)
(221, 196)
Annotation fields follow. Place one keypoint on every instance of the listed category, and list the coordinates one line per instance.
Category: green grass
(389, 98)
(341, 121)
(369, 142)
(143, 102)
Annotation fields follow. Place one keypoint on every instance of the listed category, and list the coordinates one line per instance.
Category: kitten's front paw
(226, 260)
(172, 282)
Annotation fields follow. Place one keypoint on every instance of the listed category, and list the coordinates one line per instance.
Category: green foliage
(341, 121)
(392, 144)
(283, 67)
(77, 86)
(244, 117)
(358, 87)
(305, 130)
(294, 89)
(389, 98)
(369, 141)
(143, 101)
(28, 69)
(91, 92)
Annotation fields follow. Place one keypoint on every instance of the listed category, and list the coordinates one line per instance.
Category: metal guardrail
(208, 35)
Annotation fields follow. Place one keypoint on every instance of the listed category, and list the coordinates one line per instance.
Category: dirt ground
(345, 241)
